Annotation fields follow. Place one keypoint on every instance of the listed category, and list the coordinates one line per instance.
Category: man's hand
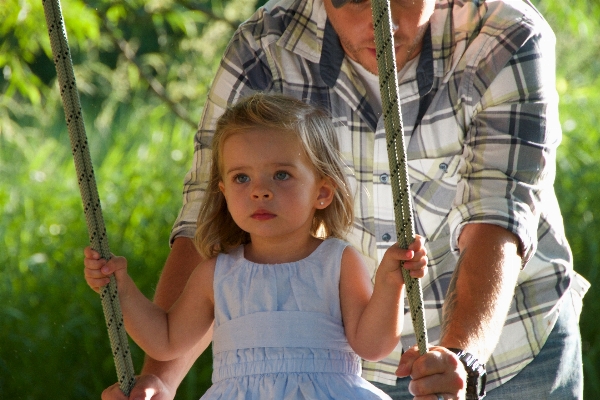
(439, 371)
(147, 387)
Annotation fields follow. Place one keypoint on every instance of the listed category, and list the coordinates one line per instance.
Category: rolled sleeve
(509, 152)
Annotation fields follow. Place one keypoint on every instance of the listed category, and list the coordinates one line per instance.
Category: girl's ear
(221, 187)
(325, 194)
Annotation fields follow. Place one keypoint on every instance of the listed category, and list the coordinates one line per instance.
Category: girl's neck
(280, 250)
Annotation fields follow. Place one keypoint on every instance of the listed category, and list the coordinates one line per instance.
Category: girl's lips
(262, 215)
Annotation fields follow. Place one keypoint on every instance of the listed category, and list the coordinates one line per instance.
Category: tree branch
(208, 12)
(154, 84)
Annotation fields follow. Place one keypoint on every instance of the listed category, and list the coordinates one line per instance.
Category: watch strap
(476, 375)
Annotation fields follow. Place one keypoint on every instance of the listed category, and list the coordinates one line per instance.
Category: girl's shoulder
(334, 243)
(341, 246)
(330, 250)
(351, 254)
(206, 267)
(224, 262)
(353, 263)
(201, 279)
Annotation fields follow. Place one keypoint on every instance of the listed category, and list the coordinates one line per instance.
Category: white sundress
(278, 331)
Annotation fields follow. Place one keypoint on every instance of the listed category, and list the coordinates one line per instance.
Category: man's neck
(371, 81)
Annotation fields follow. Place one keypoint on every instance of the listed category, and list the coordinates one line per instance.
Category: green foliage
(577, 25)
(143, 68)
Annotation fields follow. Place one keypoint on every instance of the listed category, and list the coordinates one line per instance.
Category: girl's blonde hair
(217, 232)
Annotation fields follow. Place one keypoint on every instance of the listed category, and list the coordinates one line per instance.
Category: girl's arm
(162, 335)
(373, 317)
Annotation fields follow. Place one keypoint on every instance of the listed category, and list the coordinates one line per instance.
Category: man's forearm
(182, 260)
(481, 289)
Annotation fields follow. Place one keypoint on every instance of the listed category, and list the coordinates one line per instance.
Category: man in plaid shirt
(480, 114)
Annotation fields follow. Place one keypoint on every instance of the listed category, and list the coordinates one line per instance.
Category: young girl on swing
(292, 303)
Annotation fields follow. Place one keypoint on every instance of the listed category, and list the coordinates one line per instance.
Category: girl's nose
(261, 191)
(264, 195)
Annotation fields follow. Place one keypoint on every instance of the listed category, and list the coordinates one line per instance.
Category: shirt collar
(310, 28)
(332, 56)
(425, 66)
(305, 31)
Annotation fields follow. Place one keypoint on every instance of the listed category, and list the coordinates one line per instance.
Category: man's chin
(369, 62)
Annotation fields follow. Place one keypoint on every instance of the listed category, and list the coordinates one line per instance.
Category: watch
(476, 375)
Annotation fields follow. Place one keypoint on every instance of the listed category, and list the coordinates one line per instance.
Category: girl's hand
(414, 258)
(417, 264)
(97, 270)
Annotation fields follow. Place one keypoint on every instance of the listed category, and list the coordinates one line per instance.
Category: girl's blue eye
(281, 175)
(241, 178)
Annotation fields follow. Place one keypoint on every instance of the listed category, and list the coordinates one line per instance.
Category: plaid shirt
(481, 122)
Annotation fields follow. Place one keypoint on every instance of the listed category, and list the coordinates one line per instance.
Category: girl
(292, 304)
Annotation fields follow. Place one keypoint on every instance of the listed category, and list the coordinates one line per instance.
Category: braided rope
(392, 116)
(88, 190)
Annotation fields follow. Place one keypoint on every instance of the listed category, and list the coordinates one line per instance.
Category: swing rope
(386, 62)
(392, 116)
(87, 187)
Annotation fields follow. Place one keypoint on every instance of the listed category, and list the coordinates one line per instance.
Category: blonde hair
(216, 231)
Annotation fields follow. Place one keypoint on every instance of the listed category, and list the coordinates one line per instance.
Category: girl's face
(271, 188)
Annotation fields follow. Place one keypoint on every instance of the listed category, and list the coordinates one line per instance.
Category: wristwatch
(476, 375)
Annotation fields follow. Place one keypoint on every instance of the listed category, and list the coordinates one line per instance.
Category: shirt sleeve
(509, 150)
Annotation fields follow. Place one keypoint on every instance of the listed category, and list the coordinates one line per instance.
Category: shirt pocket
(433, 183)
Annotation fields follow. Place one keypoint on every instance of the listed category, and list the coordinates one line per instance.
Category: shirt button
(386, 237)
(444, 166)
(384, 178)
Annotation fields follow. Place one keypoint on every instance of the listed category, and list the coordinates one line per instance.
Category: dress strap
(281, 329)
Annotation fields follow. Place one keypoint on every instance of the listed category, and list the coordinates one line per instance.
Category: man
(480, 115)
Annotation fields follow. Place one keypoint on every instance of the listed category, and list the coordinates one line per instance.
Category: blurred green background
(143, 69)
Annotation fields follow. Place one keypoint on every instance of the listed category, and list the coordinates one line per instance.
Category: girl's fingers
(417, 265)
(103, 266)
(97, 270)
(95, 278)
(414, 258)
(92, 259)
(93, 273)
(96, 284)
(94, 264)
(418, 273)
(88, 252)
(397, 253)
(115, 264)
